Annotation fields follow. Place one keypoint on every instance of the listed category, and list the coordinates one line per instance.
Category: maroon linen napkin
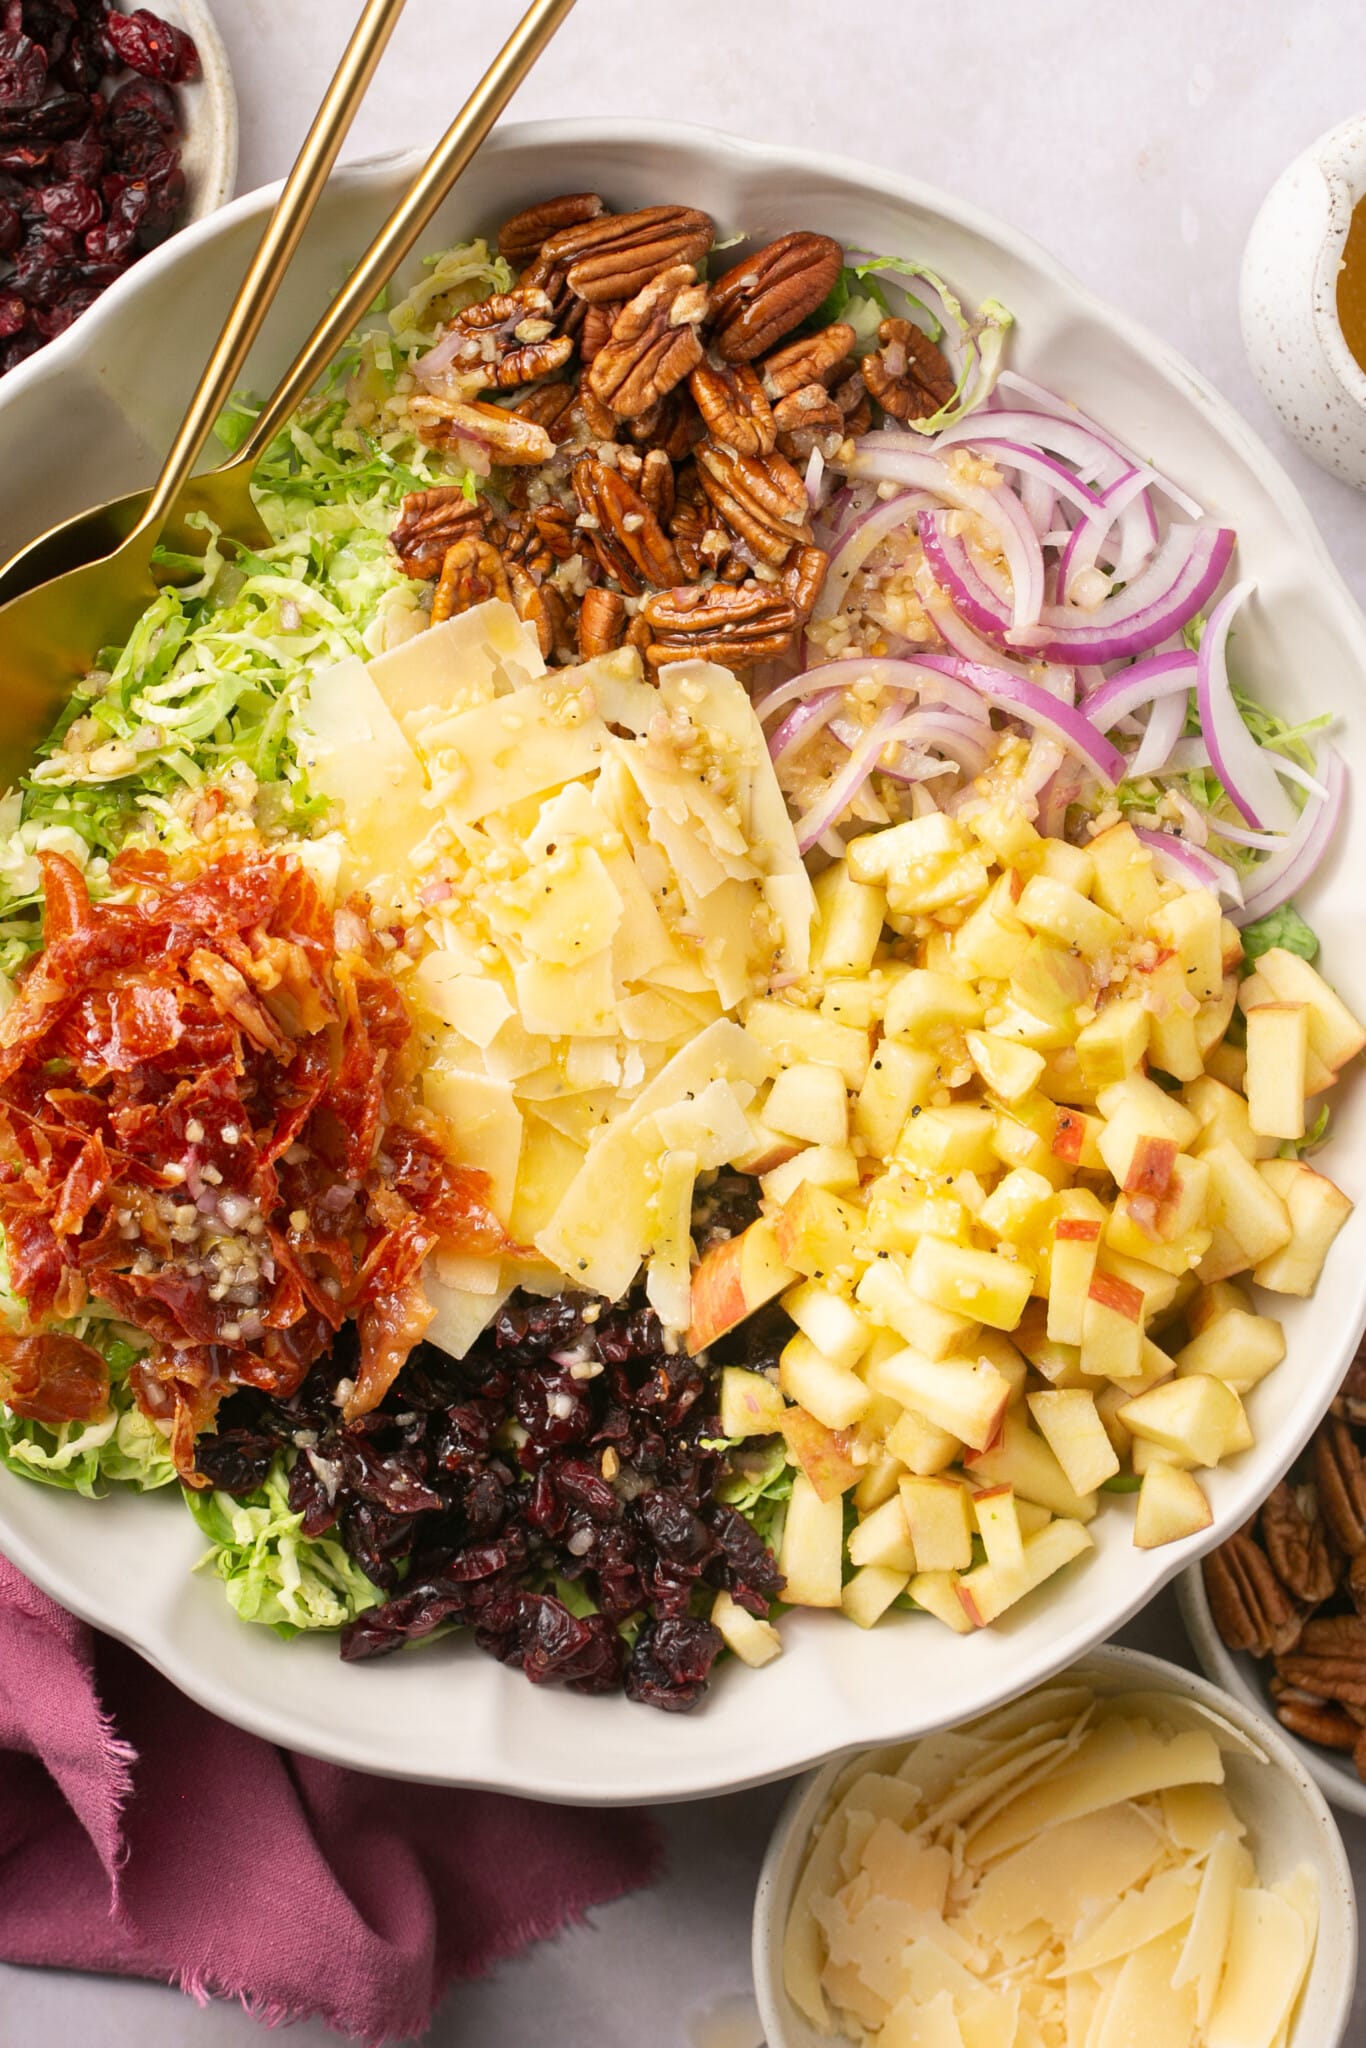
(140, 1835)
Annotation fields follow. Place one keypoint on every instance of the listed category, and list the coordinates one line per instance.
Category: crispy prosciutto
(209, 1120)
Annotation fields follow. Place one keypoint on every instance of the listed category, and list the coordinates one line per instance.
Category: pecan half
(768, 294)
(689, 521)
(526, 234)
(759, 497)
(1250, 1606)
(541, 605)
(812, 359)
(509, 438)
(596, 330)
(1313, 1720)
(472, 573)
(653, 345)
(1297, 1547)
(602, 621)
(656, 484)
(1329, 1660)
(909, 376)
(505, 341)
(616, 255)
(1341, 1479)
(810, 410)
(674, 426)
(429, 525)
(549, 406)
(731, 400)
(803, 577)
(624, 533)
(733, 627)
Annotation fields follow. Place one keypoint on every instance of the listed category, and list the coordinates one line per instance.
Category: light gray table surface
(1135, 143)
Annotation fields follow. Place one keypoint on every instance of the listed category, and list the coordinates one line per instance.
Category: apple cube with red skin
(936, 1514)
(1112, 1328)
(986, 1593)
(1171, 1504)
(732, 1280)
(966, 1398)
(1317, 1210)
(1071, 1268)
(937, 1593)
(998, 1524)
(824, 1455)
(1023, 1461)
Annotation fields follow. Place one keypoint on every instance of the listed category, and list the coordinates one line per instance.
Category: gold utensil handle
(283, 232)
(396, 238)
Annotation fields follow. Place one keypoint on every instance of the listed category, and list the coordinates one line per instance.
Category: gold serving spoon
(87, 599)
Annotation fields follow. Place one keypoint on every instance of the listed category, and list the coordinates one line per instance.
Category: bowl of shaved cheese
(1124, 1855)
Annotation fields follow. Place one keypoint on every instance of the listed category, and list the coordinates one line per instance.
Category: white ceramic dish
(1288, 1824)
(90, 415)
(1244, 1677)
(209, 144)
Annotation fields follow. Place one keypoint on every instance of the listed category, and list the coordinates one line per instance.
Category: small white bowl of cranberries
(118, 125)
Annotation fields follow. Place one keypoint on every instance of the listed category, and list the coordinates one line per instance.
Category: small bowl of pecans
(117, 127)
(1277, 1614)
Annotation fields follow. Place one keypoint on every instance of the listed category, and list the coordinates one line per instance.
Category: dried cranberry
(675, 1531)
(84, 157)
(13, 316)
(416, 1612)
(309, 1497)
(555, 1647)
(671, 1663)
(43, 265)
(138, 101)
(151, 47)
(60, 115)
(24, 156)
(71, 204)
(84, 61)
(23, 71)
(11, 228)
(396, 1481)
(234, 1460)
(377, 1539)
(18, 350)
(553, 1407)
(541, 1326)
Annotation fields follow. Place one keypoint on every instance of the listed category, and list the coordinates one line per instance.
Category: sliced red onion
(1177, 857)
(432, 367)
(801, 722)
(1090, 537)
(956, 573)
(1247, 770)
(815, 474)
(1038, 708)
(958, 634)
(1284, 874)
(961, 737)
(903, 676)
(1036, 495)
(1260, 842)
(831, 807)
(1032, 462)
(1182, 575)
(1162, 675)
(1294, 773)
(1165, 724)
(860, 537)
(1061, 409)
(1000, 512)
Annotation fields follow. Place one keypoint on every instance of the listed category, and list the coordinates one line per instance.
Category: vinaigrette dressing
(1352, 285)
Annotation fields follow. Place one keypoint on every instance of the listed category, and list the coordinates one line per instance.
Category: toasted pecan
(908, 375)
(735, 627)
(624, 532)
(616, 255)
(430, 523)
(769, 293)
(731, 400)
(762, 499)
(522, 238)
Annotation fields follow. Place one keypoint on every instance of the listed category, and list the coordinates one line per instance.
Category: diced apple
(824, 1455)
(983, 1285)
(937, 1593)
(923, 1004)
(1194, 1417)
(1071, 1267)
(1058, 1363)
(965, 1397)
(809, 1102)
(1050, 982)
(1245, 1204)
(811, 1553)
(1222, 1115)
(815, 1232)
(755, 1642)
(1023, 1460)
(822, 1166)
(790, 1035)
(1334, 1033)
(1212, 1019)
(1190, 925)
(900, 1078)
(1172, 1011)
(1153, 1110)
(998, 1524)
(987, 1593)
(1112, 1328)
(766, 1148)
(900, 849)
(854, 1002)
(949, 1140)
(991, 941)
(1277, 1055)
(1125, 881)
(920, 1446)
(837, 1330)
(1171, 1504)
(901, 1211)
(870, 1593)
(1238, 1347)
(1008, 1070)
(1015, 1144)
(750, 1403)
(1113, 1045)
(1072, 1429)
(1057, 911)
(1076, 1138)
(878, 1479)
(1158, 1287)
(1221, 1299)
(1016, 1211)
(1002, 823)
(884, 1289)
(851, 915)
(1061, 861)
(993, 1348)
(935, 885)
(884, 1538)
(733, 1279)
(936, 1516)
(834, 1395)
(1317, 1210)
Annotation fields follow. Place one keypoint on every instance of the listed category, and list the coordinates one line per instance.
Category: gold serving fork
(82, 586)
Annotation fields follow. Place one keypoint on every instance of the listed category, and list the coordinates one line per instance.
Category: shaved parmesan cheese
(475, 1005)
(485, 1128)
(1263, 1970)
(1196, 1816)
(463, 662)
(668, 1272)
(1201, 1960)
(1115, 1762)
(1145, 2009)
(1167, 1901)
(352, 750)
(712, 1124)
(560, 1002)
(459, 1316)
(513, 748)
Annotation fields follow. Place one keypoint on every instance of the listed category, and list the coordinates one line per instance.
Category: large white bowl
(88, 417)
(1288, 1824)
(1246, 1678)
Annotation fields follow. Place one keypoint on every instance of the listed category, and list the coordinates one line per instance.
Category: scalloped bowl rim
(560, 1747)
